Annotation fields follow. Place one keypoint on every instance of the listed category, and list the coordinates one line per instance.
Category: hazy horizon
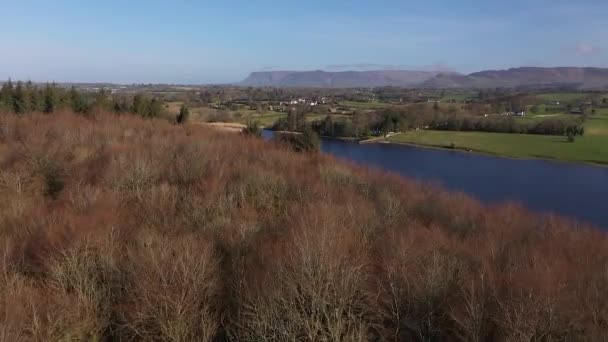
(193, 43)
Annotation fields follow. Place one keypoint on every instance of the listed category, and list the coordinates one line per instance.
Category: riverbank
(542, 185)
(589, 149)
(592, 148)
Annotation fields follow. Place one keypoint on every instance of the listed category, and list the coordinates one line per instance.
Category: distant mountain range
(581, 78)
(342, 79)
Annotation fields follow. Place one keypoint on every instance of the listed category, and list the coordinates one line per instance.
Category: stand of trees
(22, 98)
(329, 127)
(306, 141)
(294, 122)
(553, 126)
(393, 121)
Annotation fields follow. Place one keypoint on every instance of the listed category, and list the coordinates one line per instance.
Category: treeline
(21, 98)
(295, 121)
(382, 123)
(501, 124)
(358, 126)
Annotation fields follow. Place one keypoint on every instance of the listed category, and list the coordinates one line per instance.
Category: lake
(574, 190)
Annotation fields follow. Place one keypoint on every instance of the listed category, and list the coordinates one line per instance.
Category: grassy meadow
(564, 97)
(590, 148)
(370, 105)
(113, 227)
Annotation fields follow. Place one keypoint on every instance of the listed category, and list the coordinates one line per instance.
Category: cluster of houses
(98, 89)
(303, 101)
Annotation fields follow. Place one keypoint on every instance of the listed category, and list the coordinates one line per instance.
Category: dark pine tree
(50, 99)
(183, 115)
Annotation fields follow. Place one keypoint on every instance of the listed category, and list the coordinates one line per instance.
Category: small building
(577, 111)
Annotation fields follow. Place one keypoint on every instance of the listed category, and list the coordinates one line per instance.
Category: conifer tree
(292, 120)
(30, 97)
(184, 113)
(50, 99)
(154, 109)
(139, 105)
(6, 96)
(120, 105)
(77, 102)
(19, 99)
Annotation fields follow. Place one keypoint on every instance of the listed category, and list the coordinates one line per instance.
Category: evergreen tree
(6, 96)
(300, 121)
(62, 97)
(328, 126)
(77, 102)
(37, 99)
(292, 120)
(120, 106)
(139, 105)
(19, 99)
(29, 101)
(50, 99)
(183, 115)
(154, 109)
(360, 124)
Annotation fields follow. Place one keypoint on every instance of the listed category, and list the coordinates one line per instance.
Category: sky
(200, 42)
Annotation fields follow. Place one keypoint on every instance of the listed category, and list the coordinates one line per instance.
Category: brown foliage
(114, 227)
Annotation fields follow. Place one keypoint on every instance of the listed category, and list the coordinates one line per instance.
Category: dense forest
(113, 227)
(26, 97)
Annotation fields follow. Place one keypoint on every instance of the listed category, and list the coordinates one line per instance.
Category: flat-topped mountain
(583, 78)
(343, 79)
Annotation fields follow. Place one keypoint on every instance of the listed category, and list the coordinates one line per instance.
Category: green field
(459, 96)
(565, 97)
(591, 148)
(265, 119)
(365, 105)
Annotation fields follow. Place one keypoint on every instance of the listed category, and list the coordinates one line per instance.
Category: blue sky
(222, 41)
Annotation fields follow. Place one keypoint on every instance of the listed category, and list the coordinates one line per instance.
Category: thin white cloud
(439, 66)
(587, 49)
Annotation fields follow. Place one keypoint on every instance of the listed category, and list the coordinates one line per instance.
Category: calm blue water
(578, 191)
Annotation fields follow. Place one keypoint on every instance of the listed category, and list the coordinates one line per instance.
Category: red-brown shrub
(114, 227)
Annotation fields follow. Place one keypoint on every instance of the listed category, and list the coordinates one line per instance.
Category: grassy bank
(118, 228)
(591, 148)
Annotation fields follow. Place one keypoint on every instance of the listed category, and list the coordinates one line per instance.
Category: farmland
(591, 148)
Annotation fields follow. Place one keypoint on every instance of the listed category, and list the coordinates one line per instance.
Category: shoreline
(490, 154)
(384, 140)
